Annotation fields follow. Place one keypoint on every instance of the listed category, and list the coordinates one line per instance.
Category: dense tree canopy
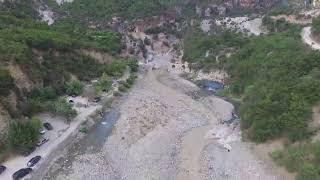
(276, 76)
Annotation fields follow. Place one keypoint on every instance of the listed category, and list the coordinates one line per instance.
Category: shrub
(116, 68)
(6, 81)
(116, 93)
(83, 130)
(23, 136)
(133, 64)
(107, 104)
(104, 83)
(107, 40)
(308, 172)
(316, 25)
(147, 41)
(302, 158)
(63, 108)
(122, 88)
(131, 79)
(74, 87)
(125, 84)
(44, 94)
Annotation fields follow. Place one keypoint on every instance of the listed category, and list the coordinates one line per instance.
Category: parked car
(71, 101)
(33, 161)
(97, 99)
(21, 173)
(48, 126)
(41, 142)
(2, 169)
(42, 131)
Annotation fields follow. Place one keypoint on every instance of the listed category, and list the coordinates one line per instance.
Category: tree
(74, 87)
(308, 172)
(6, 81)
(23, 136)
(104, 83)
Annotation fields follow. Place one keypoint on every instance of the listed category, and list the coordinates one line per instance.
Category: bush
(308, 172)
(134, 65)
(44, 94)
(115, 69)
(62, 107)
(302, 158)
(147, 41)
(116, 93)
(104, 83)
(23, 136)
(122, 88)
(6, 81)
(125, 84)
(74, 88)
(107, 40)
(130, 81)
(83, 130)
(316, 25)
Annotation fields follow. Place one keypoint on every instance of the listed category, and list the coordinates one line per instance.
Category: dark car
(71, 101)
(21, 173)
(33, 161)
(48, 126)
(2, 169)
(97, 99)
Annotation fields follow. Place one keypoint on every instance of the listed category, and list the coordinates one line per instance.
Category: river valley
(164, 128)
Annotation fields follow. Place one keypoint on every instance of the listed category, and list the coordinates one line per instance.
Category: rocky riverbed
(162, 132)
(165, 128)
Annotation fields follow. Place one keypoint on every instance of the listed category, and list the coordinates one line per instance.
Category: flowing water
(92, 142)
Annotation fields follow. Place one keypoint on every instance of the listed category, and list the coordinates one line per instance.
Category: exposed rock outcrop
(215, 8)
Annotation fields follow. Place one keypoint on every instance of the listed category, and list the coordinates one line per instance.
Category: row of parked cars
(24, 171)
(33, 161)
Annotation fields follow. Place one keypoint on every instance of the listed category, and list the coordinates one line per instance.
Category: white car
(42, 131)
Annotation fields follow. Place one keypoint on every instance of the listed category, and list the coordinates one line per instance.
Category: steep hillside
(37, 61)
(101, 11)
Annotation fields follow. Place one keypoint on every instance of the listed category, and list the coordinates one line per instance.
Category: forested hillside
(275, 75)
(40, 63)
(102, 9)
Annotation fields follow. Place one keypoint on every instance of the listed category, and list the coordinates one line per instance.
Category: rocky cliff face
(253, 3)
(214, 7)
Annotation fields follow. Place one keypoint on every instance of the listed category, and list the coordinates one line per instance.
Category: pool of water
(97, 135)
(209, 85)
(92, 142)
